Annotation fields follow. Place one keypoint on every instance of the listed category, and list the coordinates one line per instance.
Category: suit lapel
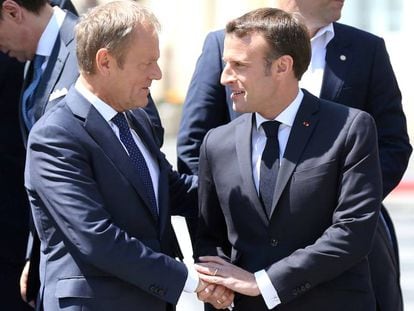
(102, 134)
(56, 63)
(244, 157)
(338, 60)
(305, 122)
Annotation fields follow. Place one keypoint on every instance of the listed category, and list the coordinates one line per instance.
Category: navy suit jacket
(101, 246)
(325, 208)
(365, 80)
(61, 72)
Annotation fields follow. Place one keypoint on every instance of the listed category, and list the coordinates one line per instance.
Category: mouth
(237, 93)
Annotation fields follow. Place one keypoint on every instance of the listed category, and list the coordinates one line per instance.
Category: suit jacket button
(274, 242)
(307, 285)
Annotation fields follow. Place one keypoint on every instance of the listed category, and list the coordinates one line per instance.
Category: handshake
(219, 280)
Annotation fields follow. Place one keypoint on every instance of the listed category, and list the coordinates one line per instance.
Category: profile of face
(129, 83)
(15, 39)
(317, 13)
(253, 85)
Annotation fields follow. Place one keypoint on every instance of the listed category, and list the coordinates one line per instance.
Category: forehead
(249, 46)
(145, 42)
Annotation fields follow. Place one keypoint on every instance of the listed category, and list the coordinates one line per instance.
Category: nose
(156, 73)
(227, 76)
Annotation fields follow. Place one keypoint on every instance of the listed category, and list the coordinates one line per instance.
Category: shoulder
(215, 38)
(355, 35)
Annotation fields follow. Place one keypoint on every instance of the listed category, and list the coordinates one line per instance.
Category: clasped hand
(222, 279)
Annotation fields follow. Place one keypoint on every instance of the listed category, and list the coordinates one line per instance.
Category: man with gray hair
(101, 191)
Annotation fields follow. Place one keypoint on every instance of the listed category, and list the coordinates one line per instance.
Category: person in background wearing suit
(101, 192)
(348, 66)
(34, 31)
(14, 211)
(289, 192)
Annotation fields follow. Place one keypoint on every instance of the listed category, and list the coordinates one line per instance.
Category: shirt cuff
(192, 281)
(267, 289)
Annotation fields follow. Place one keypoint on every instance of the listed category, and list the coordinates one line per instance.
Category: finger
(23, 281)
(211, 279)
(219, 292)
(214, 259)
(207, 269)
(207, 292)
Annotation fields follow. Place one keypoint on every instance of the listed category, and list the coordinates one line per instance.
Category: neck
(281, 102)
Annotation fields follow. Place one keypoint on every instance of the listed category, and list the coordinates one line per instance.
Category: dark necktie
(269, 166)
(137, 158)
(28, 98)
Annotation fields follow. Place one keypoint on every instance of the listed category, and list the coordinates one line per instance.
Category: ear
(12, 10)
(282, 65)
(104, 61)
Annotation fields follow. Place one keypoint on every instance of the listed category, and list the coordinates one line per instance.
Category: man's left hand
(216, 270)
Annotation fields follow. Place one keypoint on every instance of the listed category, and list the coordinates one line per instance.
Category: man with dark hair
(289, 192)
(348, 66)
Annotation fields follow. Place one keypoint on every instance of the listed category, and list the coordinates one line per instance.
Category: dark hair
(284, 33)
(30, 5)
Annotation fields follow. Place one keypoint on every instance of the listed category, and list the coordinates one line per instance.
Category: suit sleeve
(212, 236)
(348, 239)
(205, 106)
(60, 181)
(384, 104)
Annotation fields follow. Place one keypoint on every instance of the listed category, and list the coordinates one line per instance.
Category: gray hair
(110, 26)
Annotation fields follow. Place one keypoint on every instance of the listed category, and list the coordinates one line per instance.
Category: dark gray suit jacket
(325, 207)
(101, 246)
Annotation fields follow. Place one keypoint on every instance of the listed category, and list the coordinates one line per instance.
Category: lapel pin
(305, 123)
(342, 58)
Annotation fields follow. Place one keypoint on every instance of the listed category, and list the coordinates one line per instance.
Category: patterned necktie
(28, 100)
(269, 166)
(137, 158)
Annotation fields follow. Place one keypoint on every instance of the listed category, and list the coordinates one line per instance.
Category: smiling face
(246, 73)
(129, 81)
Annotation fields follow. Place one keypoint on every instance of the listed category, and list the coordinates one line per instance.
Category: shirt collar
(106, 111)
(51, 32)
(325, 35)
(287, 116)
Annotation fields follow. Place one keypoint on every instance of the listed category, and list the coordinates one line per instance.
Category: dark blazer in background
(14, 206)
(325, 208)
(102, 248)
(365, 80)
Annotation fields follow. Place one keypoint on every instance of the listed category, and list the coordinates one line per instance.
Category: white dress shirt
(286, 119)
(313, 77)
(107, 112)
(48, 38)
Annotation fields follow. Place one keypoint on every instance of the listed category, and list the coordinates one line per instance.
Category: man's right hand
(23, 284)
(218, 296)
